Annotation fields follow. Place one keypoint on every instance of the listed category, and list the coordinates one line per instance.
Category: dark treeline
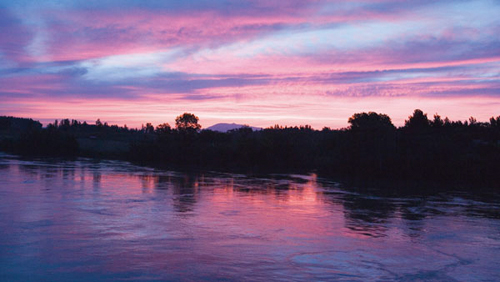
(370, 148)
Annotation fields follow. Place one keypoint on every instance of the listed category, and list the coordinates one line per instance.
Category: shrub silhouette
(370, 148)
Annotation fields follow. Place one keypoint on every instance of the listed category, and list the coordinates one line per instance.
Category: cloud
(260, 55)
(121, 67)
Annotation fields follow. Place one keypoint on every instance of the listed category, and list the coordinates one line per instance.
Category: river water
(88, 220)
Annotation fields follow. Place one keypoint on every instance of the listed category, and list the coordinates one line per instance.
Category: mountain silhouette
(225, 127)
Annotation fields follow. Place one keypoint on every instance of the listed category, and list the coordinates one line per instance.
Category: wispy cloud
(267, 59)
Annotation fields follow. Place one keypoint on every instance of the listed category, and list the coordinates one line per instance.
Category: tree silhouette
(372, 148)
(187, 121)
(418, 121)
(163, 128)
(149, 128)
(370, 121)
(437, 122)
(495, 122)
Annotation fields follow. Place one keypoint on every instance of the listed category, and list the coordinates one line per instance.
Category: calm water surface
(85, 220)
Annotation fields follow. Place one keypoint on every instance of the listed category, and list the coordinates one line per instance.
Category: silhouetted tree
(149, 128)
(187, 121)
(370, 143)
(19, 124)
(437, 122)
(495, 122)
(163, 128)
(418, 121)
(371, 148)
(370, 121)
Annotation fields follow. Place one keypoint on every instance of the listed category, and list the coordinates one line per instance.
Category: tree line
(371, 147)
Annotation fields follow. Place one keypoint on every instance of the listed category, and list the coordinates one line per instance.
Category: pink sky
(252, 62)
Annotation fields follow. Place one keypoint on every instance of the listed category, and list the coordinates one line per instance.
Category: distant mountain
(225, 127)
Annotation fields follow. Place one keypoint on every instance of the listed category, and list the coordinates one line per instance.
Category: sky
(255, 62)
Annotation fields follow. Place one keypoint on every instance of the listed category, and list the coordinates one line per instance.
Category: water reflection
(84, 220)
(185, 192)
(96, 180)
(368, 216)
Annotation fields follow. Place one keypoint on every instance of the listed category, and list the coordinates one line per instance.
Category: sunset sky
(257, 62)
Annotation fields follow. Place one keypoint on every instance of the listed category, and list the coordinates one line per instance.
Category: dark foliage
(10, 124)
(186, 122)
(371, 148)
(25, 136)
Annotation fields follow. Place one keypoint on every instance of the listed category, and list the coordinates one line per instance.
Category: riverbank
(372, 149)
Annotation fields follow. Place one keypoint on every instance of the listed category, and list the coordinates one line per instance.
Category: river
(88, 220)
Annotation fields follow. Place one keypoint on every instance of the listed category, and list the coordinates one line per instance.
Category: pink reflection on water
(111, 219)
